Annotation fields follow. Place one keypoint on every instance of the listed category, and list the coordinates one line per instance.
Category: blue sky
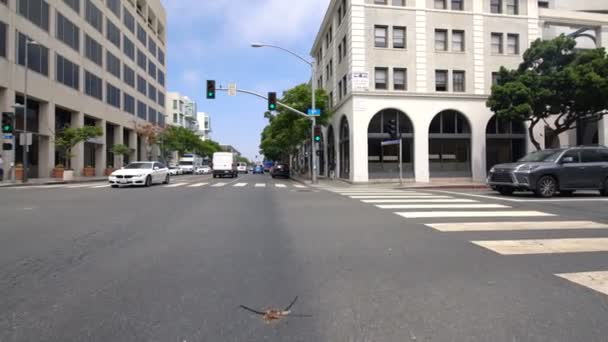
(211, 40)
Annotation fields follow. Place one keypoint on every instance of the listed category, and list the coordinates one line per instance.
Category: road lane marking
(511, 226)
(51, 186)
(239, 185)
(569, 199)
(260, 185)
(218, 185)
(81, 186)
(597, 281)
(197, 185)
(425, 200)
(382, 193)
(280, 185)
(299, 186)
(545, 246)
(441, 206)
(428, 214)
(175, 185)
(398, 196)
(101, 186)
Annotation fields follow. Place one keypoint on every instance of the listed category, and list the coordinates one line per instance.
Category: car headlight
(492, 169)
(140, 175)
(527, 168)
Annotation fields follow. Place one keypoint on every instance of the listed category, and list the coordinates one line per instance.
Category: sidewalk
(52, 181)
(443, 183)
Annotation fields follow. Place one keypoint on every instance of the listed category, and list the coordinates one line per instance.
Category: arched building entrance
(450, 145)
(383, 161)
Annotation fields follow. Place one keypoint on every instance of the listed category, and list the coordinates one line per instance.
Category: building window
(142, 85)
(496, 6)
(151, 92)
(458, 81)
(74, 4)
(441, 80)
(161, 78)
(457, 5)
(152, 46)
(128, 20)
(513, 44)
(37, 55)
(339, 16)
(398, 3)
(93, 50)
(380, 33)
(340, 90)
(141, 59)
(344, 49)
(112, 95)
(175, 118)
(92, 85)
(512, 7)
(495, 78)
(331, 68)
(141, 35)
(161, 98)
(399, 79)
(399, 37)
(36, 11)
(142, 110)
(441, 40)
(128, 103)
(67, 32)
(3, 39)
(380, 2)
(114, 6)
(151, 115)
(128, 48)
(161, 56)
(497, 47)
(381, 78)
(151, 69)
(458, 41)
(112, 33)
(93, 16)
(440, 4)
(331, 99)
(128, 75)
(174, 104)
(345, 84)
(67, 72)
(112, 64)
(543, 4)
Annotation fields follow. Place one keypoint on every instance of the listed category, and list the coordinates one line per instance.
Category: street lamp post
(25, 150)
(312, 64)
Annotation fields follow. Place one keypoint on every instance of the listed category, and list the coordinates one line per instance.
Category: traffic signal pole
(313, 147)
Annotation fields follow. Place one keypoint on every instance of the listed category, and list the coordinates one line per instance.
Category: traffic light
(272, 101)
(7, 123)
(391, 129)
(210, 89)
(318, 134)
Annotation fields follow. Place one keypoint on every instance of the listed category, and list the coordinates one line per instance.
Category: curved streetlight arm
(283, 49)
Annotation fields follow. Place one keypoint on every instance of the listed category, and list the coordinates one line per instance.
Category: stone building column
(46, 149)
(101, 161)
(118, 139)
(77, 159)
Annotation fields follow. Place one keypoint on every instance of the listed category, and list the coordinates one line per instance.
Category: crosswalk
(450, 214)
(175, 185)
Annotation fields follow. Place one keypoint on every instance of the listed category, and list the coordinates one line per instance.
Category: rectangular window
(3, 39)
(112, 64)
(380, 33)
(344, 49)
(440, 4)
(142, 110)
(92, 85)
(331, 68)
(458, 41)
(380, 2)
(512, 7)
(340, 53)
(128, 75)
(513, 44)
(494, 78)
(128, 48)
(114, 6)
(128, 103)
(457, 5)
(112, 33)
(36, 11)
(37, 55)
(161, 78)
(345, 84)
(93, 50)
(93, 16)
(340, 90)
(458, 81)
(67, 72)
(161, 56)
(399, 37)
(339, 16)
(441, 80)
(141, 59)
(151, 69)
(142, 85)
(67, 32)
(151, 115)
(141, 35)
(74, 4)
(174, 117)
(152, 46)
(112, 95)
(161, 98)
(399, 79)
(543, 4)
(128, 20)
(398, 3)
(497, 47)
(381, 78)
(495, 6)
(174, 104)
(441, 40)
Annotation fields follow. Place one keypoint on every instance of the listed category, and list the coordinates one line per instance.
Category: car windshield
(139, 166)
(185, 163)
(542, 156)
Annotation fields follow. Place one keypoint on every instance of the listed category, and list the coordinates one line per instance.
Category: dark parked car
(280, 170)
(556, 170)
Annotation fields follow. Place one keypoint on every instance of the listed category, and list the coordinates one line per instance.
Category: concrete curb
(439, 187)
(59, 182)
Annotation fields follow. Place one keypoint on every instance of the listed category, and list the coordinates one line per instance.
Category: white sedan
(140, 173)
(203, 170)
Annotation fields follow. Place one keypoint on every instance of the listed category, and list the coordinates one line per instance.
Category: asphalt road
(175, 263)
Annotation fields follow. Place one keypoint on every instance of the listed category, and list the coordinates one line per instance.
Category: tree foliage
(67, 138)
(555, 82)
(183, 141)
(286, 130)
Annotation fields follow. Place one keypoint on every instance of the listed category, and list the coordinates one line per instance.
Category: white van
(241, 167)
(224, 164)
(190, 162)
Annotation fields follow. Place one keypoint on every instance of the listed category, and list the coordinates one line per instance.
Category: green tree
(119, 151)
(286, 129)
(207, 148)
(179, 139)
(67, 138)
(555, 82)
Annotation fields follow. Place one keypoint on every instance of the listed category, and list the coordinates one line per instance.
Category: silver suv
(548, 172)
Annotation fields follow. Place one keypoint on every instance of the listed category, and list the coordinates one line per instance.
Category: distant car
(259, 169)
(551, 171)
(203, 170)
(241, 167)
(280, 170)
(174, 171)
(140, 173)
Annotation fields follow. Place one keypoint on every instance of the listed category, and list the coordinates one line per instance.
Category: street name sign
(389, 142)
(232, 89)
(316, 112)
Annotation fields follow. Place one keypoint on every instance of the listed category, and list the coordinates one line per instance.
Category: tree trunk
(531, 135)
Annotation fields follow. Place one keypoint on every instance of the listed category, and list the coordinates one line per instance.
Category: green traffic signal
(317, 138)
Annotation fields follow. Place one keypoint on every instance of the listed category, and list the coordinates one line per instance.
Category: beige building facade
(427, 66)
(91, 62)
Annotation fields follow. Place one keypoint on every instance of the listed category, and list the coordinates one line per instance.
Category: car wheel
(604, 191)
(546, 187)
(566, 193)
(505, 191)
(167, 180)
(148, 181)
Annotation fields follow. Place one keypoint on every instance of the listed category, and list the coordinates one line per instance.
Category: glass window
(513, 44)
(497, 47)
(572, 153)
(67, 72)
(112, 64)
(112, 33)
(399, 37)
(543, 4)
(114, 6)
(161, 56)
(151, 92)
(93, 16)
(174, 104)
(151, 115)
(129, 104)
(128, 20)
(3, 39)
(441, 80)
(142, 85)
(37, 55)
(344, 44)
(152, 46)
(591, 156)
(161, 98)
(36, 11)
(93, 50)
(440, 4)
(380, 2)
(494, 78)
(457, 5)
(128, 48)
(151, 69)
(398, 3)
(74, 4)
(141, 35)
(441, 40)
(512, 7)
(161, 78)
(67, 32)
(458, 41)
(380, 36)
(381, 77)
(458, 81)
(142, 110)
(603, 155)
(112, 95)
(141, 59)
(92, 85)
(399, 79)
(496, 6)
(128, 75)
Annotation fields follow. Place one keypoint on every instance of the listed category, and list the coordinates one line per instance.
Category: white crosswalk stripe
(441, 206)
(280, 185)
(240, 185)
(218, 185)
(197, 185)
(545, 246)
(175, 185)
(422, 200)
(515, 226)
(448, 214)
(399, 197)
(299, 186)
(597, 281)
(260, 185)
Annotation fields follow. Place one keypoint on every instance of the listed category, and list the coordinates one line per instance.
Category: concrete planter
(19, 172)
(58, 172)
(89, 172)
(68, 175)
